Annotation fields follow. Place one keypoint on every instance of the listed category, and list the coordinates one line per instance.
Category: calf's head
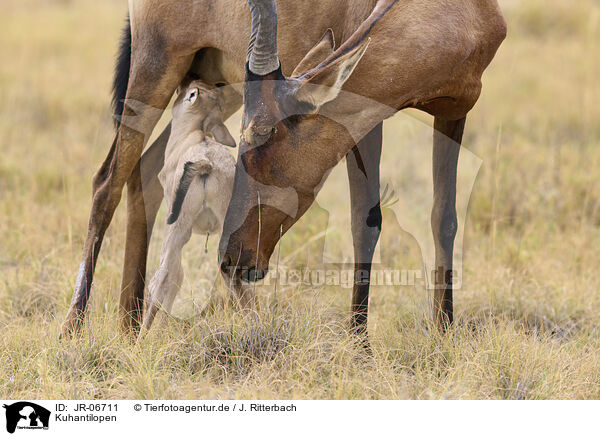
(201, 107)
(286, 147)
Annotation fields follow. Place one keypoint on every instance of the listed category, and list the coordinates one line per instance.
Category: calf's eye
(192, 95)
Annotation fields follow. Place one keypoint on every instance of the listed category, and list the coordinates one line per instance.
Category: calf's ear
(324, 82)
(222, 135)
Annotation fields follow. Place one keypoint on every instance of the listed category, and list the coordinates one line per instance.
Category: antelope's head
(287, 148)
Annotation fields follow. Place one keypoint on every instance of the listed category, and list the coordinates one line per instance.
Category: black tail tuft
(122, 69)
(189, 172)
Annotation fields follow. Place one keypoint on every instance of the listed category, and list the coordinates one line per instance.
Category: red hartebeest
(424, 54)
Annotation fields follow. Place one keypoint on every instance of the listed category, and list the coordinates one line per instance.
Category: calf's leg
(168, 278)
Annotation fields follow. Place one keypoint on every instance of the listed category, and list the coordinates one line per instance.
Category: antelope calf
(197, 180)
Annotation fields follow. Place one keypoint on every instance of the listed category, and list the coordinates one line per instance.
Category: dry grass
(527, 317)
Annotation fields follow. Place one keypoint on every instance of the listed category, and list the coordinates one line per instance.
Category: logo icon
(26, 415)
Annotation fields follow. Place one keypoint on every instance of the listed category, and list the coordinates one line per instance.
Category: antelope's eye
(263, 130)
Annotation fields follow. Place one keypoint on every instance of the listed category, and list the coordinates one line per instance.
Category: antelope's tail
(122, 69)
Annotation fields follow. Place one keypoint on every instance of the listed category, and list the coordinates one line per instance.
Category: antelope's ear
(222, 135)
(317, 54)
(324, 82)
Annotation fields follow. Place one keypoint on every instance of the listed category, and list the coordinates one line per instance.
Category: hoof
(70, 327)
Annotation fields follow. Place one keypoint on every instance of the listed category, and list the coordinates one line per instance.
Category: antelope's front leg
(447, 138)
(363, 174)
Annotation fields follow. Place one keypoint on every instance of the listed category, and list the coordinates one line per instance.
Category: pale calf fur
(197, 179)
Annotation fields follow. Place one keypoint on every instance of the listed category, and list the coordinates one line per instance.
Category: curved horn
(262, 50)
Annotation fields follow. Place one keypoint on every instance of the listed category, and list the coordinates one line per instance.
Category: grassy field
(528, 314)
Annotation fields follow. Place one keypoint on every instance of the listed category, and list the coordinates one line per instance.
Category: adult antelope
(425, 54)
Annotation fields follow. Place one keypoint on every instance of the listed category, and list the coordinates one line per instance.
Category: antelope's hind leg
(150, 87)
(447, 138)
(144, 197)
